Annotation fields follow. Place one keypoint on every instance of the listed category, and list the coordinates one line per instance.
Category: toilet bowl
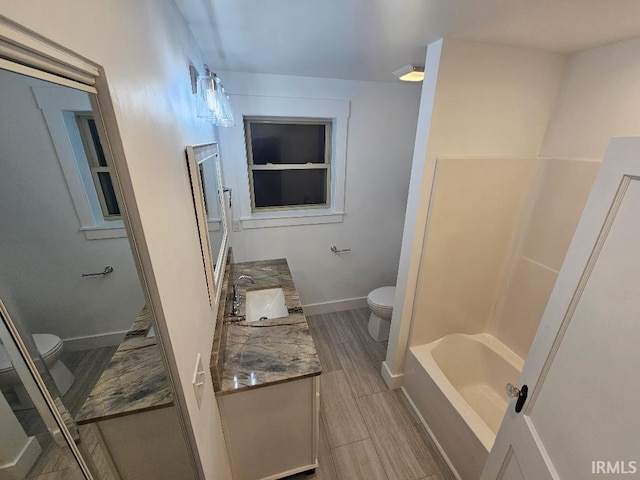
(50, 348)
(380, 303)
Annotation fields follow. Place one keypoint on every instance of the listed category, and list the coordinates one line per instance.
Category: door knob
(519, 393)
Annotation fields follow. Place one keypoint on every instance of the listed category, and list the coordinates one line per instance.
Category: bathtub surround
(588, 98)
(499, 229)
(493, 245)
(549, 220)
(476, 205)
(479, 100)
(498, 232)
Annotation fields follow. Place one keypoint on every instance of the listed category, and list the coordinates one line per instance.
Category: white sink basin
(266, 303)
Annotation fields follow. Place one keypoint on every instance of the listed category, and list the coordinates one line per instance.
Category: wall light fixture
(212, 101)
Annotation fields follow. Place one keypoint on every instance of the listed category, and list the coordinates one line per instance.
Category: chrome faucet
(236, 296)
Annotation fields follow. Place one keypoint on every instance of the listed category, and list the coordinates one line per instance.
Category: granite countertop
(134, 381)
(265, 352)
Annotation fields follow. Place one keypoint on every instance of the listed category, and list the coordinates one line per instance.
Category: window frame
(235, 163)
(326, 165)
(58, 107)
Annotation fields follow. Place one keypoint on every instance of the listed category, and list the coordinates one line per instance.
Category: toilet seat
(48, 345)
(50, 349)
(382, 298)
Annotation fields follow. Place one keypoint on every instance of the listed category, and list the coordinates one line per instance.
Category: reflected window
(100, 171)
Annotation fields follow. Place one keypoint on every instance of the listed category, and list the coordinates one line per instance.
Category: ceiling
(369, 39)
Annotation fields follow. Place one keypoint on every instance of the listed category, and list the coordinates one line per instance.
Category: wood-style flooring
(57, 463)
(367, 432)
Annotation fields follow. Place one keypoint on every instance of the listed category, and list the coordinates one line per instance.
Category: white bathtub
(457, 384)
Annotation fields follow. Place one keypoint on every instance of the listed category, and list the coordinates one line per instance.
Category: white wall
(145, 48)
(381, 133)
(43, 253)
(600, 99)
(489, 100)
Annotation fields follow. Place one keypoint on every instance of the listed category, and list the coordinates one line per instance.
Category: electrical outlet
(199, 378)
(236, 226)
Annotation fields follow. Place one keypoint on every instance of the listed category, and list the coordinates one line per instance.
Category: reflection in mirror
(84, 327)
(206, 187)
(213, 205)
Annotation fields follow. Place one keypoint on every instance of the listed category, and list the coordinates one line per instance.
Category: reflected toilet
(50, 348)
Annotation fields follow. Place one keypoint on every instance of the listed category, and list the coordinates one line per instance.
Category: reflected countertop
(134, 381)
(265, 352)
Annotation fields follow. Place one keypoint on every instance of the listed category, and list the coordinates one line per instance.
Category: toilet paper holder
(107, 270)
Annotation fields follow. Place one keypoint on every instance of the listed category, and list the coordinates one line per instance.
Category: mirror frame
(213, 268)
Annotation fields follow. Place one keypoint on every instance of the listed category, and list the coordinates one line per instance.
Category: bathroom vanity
(266, 379)
(132, 412)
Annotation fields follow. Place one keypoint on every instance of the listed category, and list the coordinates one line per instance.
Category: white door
(581, 419)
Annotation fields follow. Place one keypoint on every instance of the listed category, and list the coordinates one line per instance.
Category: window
(289, 162)
(98, 165)
(332, 115)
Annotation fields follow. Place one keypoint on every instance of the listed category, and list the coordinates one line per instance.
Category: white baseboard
(19, 468)
(336, 306)
(433, 438)
(94, 341)
(393, 380)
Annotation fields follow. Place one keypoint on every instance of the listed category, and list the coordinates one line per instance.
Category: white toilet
(50, 348)
(380, 302)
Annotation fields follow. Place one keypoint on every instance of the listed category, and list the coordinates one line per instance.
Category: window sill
(290, 219)
(101, 232)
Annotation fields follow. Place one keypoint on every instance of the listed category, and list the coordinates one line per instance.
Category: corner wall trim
(335, 306)
(393, 380)
(21, 465)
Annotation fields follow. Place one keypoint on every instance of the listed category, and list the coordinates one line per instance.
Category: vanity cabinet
(144, 445)
(272, 431)
(266, 375)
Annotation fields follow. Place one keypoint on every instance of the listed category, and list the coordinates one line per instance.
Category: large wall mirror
(208, 200)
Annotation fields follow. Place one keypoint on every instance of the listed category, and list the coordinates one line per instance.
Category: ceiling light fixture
(410, 73)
